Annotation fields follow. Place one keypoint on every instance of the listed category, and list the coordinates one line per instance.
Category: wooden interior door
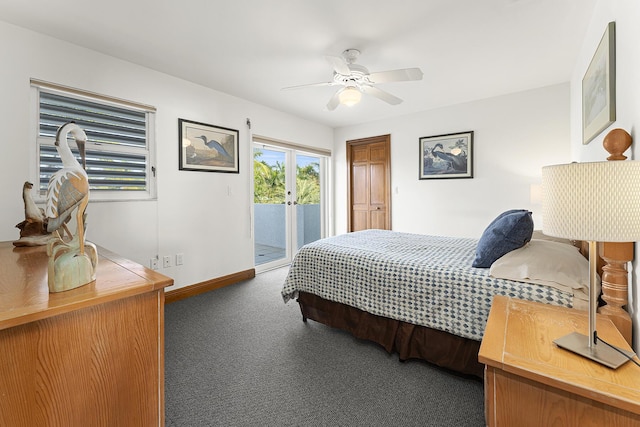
(369, 176)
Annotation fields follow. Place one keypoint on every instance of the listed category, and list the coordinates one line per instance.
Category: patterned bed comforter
(424, 280)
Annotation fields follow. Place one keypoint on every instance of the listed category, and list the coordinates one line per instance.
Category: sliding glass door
(288, 203)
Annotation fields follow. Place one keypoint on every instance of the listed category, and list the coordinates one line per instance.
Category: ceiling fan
(356, 80)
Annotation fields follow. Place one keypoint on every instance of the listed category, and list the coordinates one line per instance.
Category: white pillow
(538, 234)
(548, 263)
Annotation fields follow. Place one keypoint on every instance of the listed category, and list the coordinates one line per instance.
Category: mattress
(418, 279)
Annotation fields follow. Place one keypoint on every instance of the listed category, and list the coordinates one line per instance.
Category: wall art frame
(208, 148)
(599, 87)
(446, 156)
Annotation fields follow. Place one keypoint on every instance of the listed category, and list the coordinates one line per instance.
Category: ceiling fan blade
(334, 101)
(402, 75)
(339, 65)
(380, 94)
(309, 85)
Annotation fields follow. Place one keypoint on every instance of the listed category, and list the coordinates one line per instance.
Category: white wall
(205, 216)
(514, 136)
(626, 14)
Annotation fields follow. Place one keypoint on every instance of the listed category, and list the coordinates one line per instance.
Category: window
(119, 147)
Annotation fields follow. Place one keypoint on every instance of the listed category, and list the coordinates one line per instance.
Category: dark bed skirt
(408, 340)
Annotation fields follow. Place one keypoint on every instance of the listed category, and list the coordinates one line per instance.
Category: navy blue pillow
(510, 230)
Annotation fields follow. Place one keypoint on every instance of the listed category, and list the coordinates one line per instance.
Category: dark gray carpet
(238, 356)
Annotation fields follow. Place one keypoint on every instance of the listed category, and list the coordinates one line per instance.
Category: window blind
(117, 148)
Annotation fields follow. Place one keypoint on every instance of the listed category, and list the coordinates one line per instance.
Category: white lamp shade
(350, 96)
(597, 201)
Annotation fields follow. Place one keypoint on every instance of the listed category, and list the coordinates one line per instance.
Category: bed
(419, 296)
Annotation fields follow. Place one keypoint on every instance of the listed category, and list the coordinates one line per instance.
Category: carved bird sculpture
(68, 188)
(215, 145)
(72, 263)
(31, 211)
(33, 230)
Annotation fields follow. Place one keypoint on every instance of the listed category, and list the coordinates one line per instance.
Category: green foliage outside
(269, 182)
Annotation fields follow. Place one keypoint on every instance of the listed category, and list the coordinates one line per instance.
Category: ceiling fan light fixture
(354, 79)
(350, 96)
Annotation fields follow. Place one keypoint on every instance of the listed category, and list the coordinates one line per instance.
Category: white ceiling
(467, 49)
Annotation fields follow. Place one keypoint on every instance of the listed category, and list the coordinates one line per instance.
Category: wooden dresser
(531, 382)
(91, 356)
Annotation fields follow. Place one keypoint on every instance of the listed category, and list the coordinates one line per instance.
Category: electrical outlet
(153, 263)
(166, 261)
(179, 259)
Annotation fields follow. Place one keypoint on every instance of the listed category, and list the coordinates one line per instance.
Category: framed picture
(447, 156)
(207, 148)
(599, 87)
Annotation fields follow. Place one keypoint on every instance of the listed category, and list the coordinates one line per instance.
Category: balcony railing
(270, 229)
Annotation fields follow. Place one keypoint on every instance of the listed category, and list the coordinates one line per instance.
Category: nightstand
(529, 381)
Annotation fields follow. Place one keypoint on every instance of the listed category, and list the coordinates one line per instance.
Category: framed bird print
(207, 148)
(446, 156)
(599, 87)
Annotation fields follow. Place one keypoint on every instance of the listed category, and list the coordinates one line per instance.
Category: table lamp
(594, 202)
